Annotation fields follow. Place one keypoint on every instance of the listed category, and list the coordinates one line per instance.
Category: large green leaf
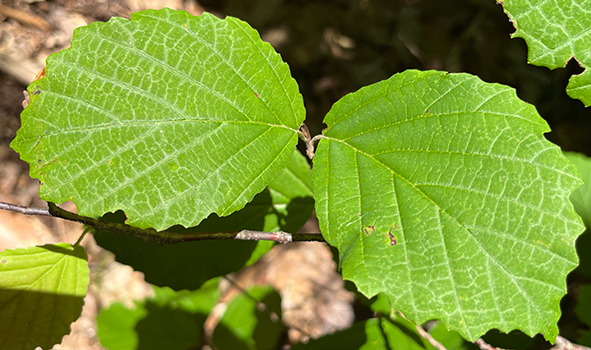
(245, 326)
(440, 191)
(285, 205)
(555, 31)
(42, 292)
(170, 320)
(166, 116)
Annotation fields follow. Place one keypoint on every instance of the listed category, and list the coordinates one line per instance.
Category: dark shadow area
(267, 332)
(178, 266)
(168, 328)
(349, 339)
(248, 326)
(31, 319)
(227, 340)
(188, 265)
(515, 340)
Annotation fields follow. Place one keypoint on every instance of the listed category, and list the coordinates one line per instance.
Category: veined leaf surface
(555, 31)
(42, 292)
(440, 191)
(166, 116)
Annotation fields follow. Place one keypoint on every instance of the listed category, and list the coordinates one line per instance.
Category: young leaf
(285, 205)
(166, 116)
(42, 292)
(440, 191)
(245, 326)
(555, 32)
(169, 320)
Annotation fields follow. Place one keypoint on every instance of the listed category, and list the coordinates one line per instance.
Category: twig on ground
(25, 17)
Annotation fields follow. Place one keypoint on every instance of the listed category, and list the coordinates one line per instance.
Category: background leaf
(556, 31)
(285, 205)
(245, 326)
(169, 320)
(581, 197)
(42, 292)
(376, 333)
(440, 191)
(583, 311)
(166, 116)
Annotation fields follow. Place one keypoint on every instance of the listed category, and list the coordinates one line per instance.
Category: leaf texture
(166, 116)
(440, 191)
(555, 31)
(42, 292)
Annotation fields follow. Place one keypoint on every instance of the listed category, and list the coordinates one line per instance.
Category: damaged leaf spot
(391, 237)
(369, 230)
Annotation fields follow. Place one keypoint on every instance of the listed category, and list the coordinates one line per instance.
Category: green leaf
(378, 334)
(581, 197)
(166, 116)
(245, 326)
(169, 320)
(285, 205)
(440, 191)
(42, 292)
(555, 31)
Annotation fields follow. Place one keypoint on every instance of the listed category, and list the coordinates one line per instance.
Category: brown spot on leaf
(391, 236)
(257, 95)
(369, 230)
(4, 261)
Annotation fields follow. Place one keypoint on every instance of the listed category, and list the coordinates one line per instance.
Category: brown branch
(162, 237)
(437, 345)
(24, 210)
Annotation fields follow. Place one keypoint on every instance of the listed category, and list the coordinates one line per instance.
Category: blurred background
(333, 47)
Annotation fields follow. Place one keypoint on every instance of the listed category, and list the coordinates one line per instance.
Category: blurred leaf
(581, 197)
(173, 117)
(245, 326)
(452, 340)
(285, 205)
(441, 191)
(42, 292)
(170, 320)
(583, 311)
(376, 333)
(556, 31)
